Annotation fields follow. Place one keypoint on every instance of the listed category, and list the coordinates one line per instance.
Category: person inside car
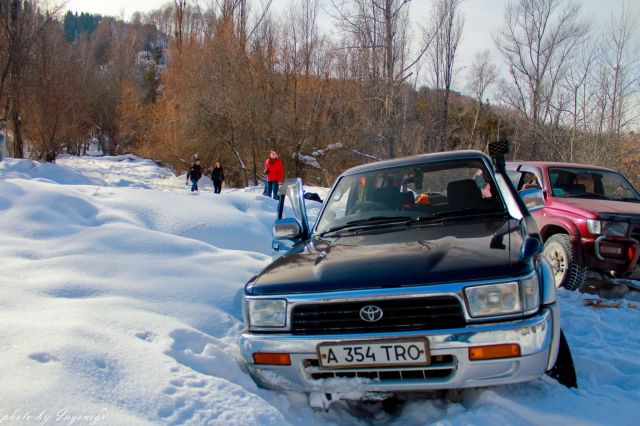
(483, 184)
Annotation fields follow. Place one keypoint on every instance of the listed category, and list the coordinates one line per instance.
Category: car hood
(395, 257)
(589, 207)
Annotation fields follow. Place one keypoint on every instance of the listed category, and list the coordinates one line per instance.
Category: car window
(339, 197)
(514, 177)
(411, 192)
(528, 180)
(615, 187)
(591, 183)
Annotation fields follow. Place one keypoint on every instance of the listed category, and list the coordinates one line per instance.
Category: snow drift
(120, 304)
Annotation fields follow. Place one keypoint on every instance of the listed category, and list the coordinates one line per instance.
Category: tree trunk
(18, 141)
(475, 124)
(445, 119)
(254, 160)
(389, 77)
(231, 144)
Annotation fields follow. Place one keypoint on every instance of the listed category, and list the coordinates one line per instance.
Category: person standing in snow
(217, 176)
(194, 173)
(274, 171)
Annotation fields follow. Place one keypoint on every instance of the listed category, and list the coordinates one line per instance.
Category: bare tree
(621, 59)
(21, 23)
(180, 6)
(377, 33)
(538, 40)
(301, 44)
(482, 76)
(238, 14)
(579, 95)
(49, 102)
(446, 28)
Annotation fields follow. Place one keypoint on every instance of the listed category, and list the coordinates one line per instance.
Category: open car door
(287, 231)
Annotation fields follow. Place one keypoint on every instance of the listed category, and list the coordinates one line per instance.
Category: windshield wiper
(463, 214)
(587, 195)
(377, 221)
(627, 199)
(369, 222)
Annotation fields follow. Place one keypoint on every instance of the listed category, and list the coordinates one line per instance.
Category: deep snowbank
(106, 308)
(12, 168)
(122, 302)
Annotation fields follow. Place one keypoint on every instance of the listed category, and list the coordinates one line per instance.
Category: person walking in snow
(194, 173)
(274, 171)
(217, 176)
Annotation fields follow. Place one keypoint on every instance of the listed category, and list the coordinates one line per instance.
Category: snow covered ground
(120, 304)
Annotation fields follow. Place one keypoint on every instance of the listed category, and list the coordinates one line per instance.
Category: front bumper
(537, 336)
(596, 259)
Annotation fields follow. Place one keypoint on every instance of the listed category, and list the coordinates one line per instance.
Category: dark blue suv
(420, 273)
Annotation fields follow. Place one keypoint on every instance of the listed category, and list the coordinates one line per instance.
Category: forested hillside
(230, 81)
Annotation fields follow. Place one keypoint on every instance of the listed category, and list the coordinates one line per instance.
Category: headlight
(594, 226)
(493, 299)
(504, 299)
(267, 312)
(614, 229)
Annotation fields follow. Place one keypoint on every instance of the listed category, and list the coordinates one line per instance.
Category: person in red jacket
(274, 172)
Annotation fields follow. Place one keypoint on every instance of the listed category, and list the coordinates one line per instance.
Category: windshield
(430, 190)
(568, 182)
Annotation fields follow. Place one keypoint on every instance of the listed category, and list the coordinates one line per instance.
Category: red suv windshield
(569, 182)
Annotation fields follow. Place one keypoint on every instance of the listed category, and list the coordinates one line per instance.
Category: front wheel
(566, 271)
(564, 371)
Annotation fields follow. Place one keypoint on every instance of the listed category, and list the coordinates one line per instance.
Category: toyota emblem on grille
(371, 313)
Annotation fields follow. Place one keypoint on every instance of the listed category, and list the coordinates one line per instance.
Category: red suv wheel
(566, 271)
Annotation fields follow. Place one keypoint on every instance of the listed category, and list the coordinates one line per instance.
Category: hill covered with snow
(120, 304)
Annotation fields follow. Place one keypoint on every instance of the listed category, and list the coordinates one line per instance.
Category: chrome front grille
(441, 367)
(401, 314)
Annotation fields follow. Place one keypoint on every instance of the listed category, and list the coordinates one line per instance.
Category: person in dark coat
(194, 174)
(274, 171)
(217, 176)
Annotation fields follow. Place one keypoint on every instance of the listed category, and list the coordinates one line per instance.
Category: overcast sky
(482, 18)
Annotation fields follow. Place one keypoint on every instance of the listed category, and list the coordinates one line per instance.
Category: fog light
(611, 250)
(494, 352)
(271, 358)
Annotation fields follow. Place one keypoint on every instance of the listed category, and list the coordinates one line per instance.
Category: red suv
(590, 222)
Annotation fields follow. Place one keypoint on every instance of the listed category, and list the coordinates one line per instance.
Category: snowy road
(120, 301)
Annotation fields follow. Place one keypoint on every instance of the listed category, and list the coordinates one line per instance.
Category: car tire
(566, 271)
(564, 371)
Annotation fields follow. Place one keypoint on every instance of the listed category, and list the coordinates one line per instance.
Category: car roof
(419, 159)
(549, 164)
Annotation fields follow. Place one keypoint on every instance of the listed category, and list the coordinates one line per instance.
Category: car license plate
(374, 353)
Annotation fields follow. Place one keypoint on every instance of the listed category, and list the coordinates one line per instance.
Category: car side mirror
(530, 247)
(287, 229)
(533, 198)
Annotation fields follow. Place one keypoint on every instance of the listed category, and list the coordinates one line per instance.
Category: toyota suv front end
(422, 273)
